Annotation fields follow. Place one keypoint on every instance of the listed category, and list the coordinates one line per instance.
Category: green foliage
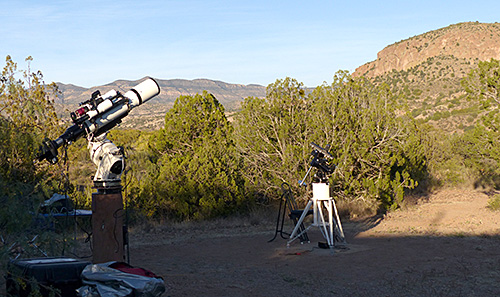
(195, 171)
(483, 87)
(378, 154)
(26, 116)
(478, 151)
(479, 146)
(201, 165)
(272, 137)
(443, 166)
(494, 202)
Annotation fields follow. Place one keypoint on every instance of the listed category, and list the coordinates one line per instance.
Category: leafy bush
(195, 171)
(272, 137)
(26, 116)
(377, 153)
(494, 202)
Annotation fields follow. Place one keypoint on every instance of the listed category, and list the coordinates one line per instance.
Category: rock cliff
(472, 40)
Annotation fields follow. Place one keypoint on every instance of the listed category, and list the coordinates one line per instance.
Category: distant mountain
(151, 115)
(230, 95)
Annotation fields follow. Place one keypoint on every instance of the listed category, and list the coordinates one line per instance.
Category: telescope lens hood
(143, 92)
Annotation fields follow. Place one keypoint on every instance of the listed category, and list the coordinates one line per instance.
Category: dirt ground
(448, 245)
(445, 245)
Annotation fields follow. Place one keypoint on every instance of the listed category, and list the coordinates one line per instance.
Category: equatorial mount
(320, 162)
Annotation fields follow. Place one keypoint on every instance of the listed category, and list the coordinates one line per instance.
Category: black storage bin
(59, 273)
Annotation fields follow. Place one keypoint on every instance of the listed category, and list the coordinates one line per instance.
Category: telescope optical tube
(143, 92)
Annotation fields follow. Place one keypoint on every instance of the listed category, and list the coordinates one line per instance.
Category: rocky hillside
(425, 72)
(471, 40)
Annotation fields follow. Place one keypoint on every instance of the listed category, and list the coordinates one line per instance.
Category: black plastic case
(60, 273)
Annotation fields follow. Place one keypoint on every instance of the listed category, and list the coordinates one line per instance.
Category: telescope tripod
(325, 214)
(321, 205)
(325, 217)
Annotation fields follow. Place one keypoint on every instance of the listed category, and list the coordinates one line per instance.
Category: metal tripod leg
(338, 224)
(326, 228)
(295, 233)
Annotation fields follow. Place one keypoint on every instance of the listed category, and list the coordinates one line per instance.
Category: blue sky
(91, 43)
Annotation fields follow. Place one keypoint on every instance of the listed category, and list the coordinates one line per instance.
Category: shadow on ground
(245, 264)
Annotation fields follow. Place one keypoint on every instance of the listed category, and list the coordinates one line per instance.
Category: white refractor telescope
(93, 119)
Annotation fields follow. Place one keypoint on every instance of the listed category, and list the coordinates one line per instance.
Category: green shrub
(494, 202)
(195, 171)
(378, 153)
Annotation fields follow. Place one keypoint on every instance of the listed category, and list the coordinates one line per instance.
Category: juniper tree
(272, 136)
(195, 170)
(377, 150)
(376, 147)
(478, 147)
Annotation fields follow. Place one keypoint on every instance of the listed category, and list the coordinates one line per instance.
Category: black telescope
(319, 158)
